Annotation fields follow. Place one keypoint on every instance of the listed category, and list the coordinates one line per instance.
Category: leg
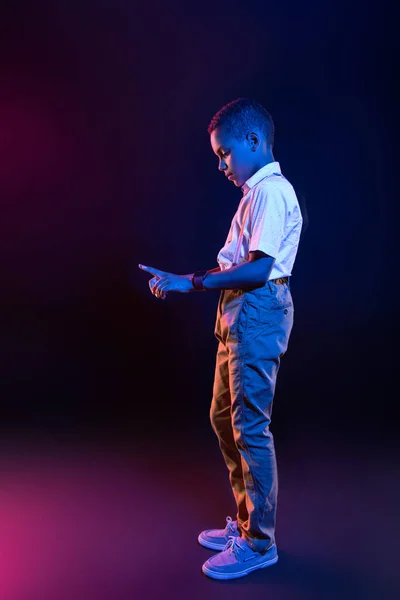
(254, 361)
(221, 421)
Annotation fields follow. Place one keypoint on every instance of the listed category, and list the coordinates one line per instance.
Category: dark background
(106, 163)
(109, 467)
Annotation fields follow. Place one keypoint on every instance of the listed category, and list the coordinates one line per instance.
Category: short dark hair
(242, 115)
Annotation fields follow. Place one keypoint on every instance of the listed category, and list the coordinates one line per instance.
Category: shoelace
(233, 545)
(230, 526)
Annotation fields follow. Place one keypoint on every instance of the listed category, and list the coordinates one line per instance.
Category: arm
(216, 270)
(253, 273)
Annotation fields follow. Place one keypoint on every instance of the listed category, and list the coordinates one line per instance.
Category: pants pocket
(233, 315)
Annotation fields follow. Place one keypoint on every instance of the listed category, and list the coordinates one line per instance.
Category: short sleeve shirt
(273, 222)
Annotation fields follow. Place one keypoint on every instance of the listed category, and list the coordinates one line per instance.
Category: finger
(153, 282)
(152, 270)
(159, 291)
(156, 291)
(163, 287)
(160, 282)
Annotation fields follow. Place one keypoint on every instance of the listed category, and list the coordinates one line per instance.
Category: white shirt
(273, 222)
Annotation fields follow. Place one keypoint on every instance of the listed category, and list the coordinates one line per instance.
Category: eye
(225, 153)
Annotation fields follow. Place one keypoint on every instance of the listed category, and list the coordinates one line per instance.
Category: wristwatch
(197, 280)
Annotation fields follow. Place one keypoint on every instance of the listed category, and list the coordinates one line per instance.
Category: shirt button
(286, 311)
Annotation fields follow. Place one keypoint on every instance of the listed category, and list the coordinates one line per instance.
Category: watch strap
(198, 278)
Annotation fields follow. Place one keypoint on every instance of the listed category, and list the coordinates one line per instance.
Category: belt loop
(270, 286)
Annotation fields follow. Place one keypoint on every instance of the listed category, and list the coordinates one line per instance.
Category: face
(236, 158)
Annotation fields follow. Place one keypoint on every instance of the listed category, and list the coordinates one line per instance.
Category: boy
(253, 325)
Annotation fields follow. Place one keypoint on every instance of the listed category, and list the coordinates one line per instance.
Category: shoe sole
(217, 575)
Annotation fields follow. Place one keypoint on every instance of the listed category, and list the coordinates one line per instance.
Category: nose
(222, 166)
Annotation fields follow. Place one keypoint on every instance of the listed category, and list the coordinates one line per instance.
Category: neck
(268, 158)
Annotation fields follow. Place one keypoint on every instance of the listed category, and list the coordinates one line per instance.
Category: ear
(253, 140)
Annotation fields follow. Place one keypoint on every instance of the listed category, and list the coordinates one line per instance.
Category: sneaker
(216, 539)
(238, 559)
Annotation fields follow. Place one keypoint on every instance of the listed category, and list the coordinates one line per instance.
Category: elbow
(262, 268)
(261, 278)
(267, 271)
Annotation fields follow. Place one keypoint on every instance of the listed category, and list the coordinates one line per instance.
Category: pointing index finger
(152, 270)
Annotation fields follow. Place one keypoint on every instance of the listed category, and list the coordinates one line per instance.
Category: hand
(163, 282)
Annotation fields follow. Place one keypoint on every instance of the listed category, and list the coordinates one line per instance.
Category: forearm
(216, 270)
(247, 274)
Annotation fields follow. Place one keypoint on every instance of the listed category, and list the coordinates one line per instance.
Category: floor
(95, 519)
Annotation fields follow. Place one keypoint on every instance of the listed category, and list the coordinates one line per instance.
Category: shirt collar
(265, 171)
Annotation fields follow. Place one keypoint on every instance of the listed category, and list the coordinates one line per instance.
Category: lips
(229, 175)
